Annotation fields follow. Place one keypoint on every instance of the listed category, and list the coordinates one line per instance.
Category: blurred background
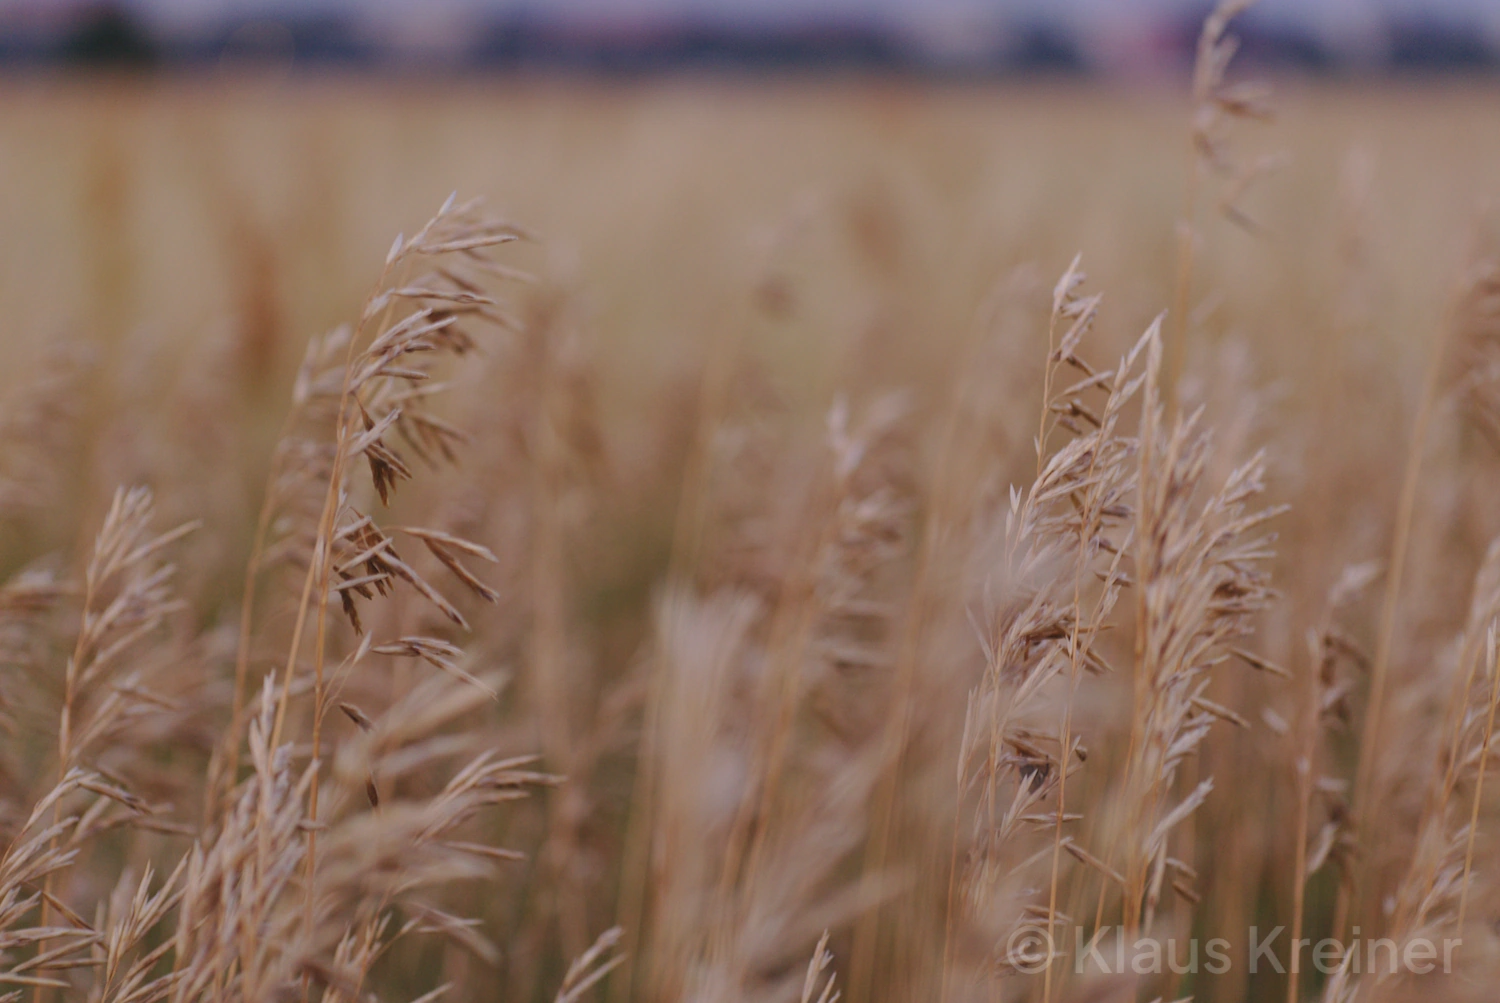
(984, 37)
(228, 175)
(240, 166)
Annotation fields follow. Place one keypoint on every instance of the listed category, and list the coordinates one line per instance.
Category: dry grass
(786, 553)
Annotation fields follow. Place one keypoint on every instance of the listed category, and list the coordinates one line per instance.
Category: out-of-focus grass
(189, 206)
(721, 264)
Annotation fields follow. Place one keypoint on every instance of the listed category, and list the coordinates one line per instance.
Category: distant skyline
(1109, 32)
(1321, 15)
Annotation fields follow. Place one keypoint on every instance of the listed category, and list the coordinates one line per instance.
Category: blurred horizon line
(1002, 43)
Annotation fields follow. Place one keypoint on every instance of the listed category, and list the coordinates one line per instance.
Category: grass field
(746, 524)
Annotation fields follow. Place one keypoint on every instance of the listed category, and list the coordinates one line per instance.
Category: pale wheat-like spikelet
(821, 959)
(37, 854)
(1436, 877)
(242, 934)
(389, 845)
(1199, 585)
(127, 596)
(385, 385)
(814, 758)
(238, 933)
(590, 967)
(807, 682)
(125, 965)
(384, 411)
(377, 865)
(1463, 343)
(1431, 900)
(829, 619)
(1102, 530)
(1043, 610)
